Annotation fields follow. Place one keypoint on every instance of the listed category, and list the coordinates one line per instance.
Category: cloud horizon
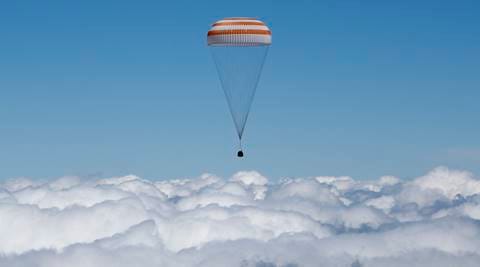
(244, 220)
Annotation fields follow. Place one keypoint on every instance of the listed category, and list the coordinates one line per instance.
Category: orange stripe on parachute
(239, 23)
(239, 31)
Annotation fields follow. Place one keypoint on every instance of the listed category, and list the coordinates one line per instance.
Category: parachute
(239, 47)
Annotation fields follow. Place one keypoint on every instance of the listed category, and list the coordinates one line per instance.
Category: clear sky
(360, 88)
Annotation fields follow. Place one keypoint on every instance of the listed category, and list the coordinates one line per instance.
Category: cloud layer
(433, 220)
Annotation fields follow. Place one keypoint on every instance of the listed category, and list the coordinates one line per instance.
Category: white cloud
(433, 220)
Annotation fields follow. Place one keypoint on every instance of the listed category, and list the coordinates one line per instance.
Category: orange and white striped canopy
(239, 32)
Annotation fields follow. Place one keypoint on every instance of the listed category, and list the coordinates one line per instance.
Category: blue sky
(348, 88)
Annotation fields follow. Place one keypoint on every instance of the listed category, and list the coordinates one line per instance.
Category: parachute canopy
(239, 32)
(239, 47)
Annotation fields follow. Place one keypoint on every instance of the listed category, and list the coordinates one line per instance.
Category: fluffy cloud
(246, 220)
